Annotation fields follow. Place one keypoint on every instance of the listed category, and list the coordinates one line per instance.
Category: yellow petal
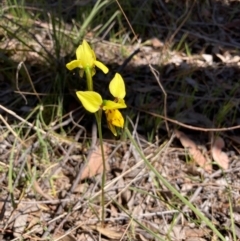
(82, 49)
(88, 57)
(91, 100)
(85, 55)
(74, 64)
(117, 87)
(110, 105)
(114, 117)
(101, 66)
(118, 119)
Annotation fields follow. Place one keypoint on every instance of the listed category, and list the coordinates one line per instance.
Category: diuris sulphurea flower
(86, 59)
(92, 101)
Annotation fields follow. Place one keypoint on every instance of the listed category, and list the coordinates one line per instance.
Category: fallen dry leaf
(20, 224)
(62, 237)
(95, 165)
(156, 43)
(22, 213)
(179, 232)
(109, 232)
(218, 155)
(194, 152)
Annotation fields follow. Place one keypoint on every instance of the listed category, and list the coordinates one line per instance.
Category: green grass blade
(97, 7)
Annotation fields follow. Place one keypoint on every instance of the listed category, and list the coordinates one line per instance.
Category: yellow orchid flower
(92, 101)
(114, 116)
(86, 59)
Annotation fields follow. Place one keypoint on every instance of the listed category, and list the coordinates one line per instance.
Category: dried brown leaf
(95, 164)
(39, 190)
(218, 155)
(194, 152)
(20, 225)
(185, 141)
(179, 232)
(156, 43)
(195, 232)
(109, 232)
(62, 237)
(22, 213)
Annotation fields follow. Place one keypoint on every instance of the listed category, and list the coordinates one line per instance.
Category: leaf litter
(201, 80)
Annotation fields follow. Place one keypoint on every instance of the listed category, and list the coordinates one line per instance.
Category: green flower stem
(98, 118)
(88, 73)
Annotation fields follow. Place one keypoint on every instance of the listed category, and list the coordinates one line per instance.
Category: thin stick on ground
(189, 126)
(157, 77)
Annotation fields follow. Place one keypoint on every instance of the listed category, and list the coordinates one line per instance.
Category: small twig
(11, 130)
(52, 201)
(125, 16)
(29, 79)
(157, 77)
(189, 126)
